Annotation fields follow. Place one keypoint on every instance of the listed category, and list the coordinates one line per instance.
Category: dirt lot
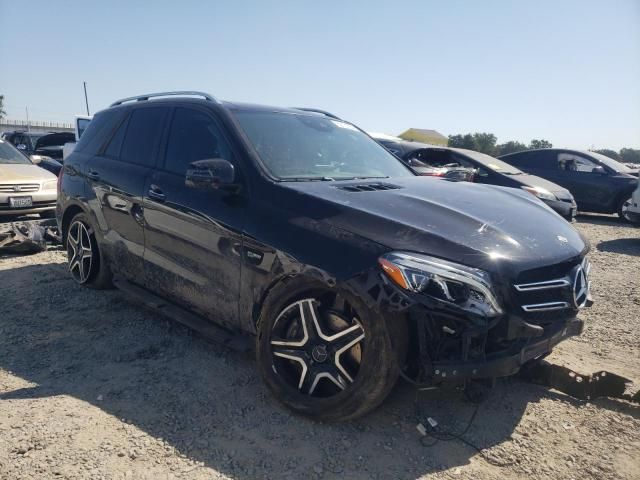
(93, 387)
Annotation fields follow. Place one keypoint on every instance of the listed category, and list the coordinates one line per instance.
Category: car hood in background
(493, 228)
(55, 140)
(21, 172)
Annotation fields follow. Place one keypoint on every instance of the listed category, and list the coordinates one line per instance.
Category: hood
(22, 172)
(484, 226)
(533, 181)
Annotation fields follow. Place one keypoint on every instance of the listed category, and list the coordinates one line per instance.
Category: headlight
(39, 158)
(541, 193)
(466, 287)
(50, 185)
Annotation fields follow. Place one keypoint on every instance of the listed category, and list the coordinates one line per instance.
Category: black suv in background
(598, 183)
(487, 169)
(296, 227)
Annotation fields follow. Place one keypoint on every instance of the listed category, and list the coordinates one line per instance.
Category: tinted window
(98, 131)
(113, 149)
(194, 135)
(143, 134)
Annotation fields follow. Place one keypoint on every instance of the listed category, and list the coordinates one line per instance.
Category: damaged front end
(467, 324)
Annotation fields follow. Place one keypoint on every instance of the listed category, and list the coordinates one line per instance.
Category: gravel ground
(93, 387)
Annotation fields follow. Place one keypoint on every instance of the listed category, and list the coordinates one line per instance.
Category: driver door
(193, 236)
(585, 179)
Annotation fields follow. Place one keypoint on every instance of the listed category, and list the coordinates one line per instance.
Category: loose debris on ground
(92, 387)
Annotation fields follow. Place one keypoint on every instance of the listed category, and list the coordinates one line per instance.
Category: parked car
(632, 212)
(42, 144)
(298, 228)
(486, 169)
(80, 125)
(598, 183)
(24, 187)
(402, 149)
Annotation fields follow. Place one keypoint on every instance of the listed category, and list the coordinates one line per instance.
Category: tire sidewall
(96, 260)
(378, 367)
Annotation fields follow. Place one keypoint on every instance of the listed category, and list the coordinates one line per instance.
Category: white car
(81, 124)
(633, 208)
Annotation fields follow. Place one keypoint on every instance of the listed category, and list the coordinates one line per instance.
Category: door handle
(155, 193)
(93, 175)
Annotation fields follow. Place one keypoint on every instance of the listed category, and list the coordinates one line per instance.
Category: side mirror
(21, 146)
(212, 174)
(36, 158)
(599, 170)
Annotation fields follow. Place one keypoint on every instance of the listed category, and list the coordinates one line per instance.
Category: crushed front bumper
(506, 362)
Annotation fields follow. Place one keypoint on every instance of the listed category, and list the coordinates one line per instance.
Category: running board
(136, 294)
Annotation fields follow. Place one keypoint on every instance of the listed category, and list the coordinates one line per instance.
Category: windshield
(9, 154)
(492, 163)
(309, 147)
(611, 163)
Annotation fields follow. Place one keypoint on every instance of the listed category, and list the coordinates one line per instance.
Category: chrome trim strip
(543, 307)
(548, 284)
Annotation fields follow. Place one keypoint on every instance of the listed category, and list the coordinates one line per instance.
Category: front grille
(19, 187)
(538, 297)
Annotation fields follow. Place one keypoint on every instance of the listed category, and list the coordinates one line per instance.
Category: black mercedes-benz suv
(295, 227)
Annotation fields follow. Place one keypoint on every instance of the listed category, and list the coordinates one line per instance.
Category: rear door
(117, 177)
(193, 237)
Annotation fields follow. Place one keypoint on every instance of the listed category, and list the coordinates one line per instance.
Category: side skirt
(139, 295)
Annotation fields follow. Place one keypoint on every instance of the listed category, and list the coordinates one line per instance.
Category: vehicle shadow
(626, 246)
(209, 403)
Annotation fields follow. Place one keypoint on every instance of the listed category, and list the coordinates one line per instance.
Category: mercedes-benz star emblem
(580, 288)
(16, 188)
(319, 353)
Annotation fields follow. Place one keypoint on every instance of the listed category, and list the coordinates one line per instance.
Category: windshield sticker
(344, 125)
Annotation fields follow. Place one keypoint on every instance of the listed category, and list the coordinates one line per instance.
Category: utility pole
(26, 109)
(86, 101)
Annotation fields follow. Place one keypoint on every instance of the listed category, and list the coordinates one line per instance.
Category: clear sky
(564, 70)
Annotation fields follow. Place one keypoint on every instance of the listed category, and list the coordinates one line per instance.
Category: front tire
(84, 259)
(324, 353)
(623, 210)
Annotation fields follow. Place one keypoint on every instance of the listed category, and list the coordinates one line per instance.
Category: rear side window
(143, 135)
(98, 131)
(113, 149)
(193, 136)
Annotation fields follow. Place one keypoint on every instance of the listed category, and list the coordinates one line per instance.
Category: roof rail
(316, 110)
(142, 98)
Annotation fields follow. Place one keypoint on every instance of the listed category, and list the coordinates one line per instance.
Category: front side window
(193, 136)
(575, 163)
(307, 147)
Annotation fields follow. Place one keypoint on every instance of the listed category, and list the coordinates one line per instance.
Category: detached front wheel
(325, 354)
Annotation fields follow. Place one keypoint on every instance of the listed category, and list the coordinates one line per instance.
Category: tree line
(488, 143)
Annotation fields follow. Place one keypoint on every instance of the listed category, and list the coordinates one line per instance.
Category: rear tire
(342, 365)
(84, 258)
